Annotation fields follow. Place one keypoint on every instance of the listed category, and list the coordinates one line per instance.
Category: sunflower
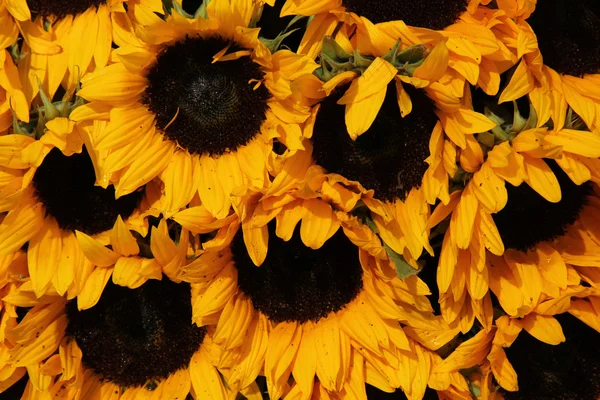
(48, 189)
(65, 39)
(345, 301)
(398, 141)
(196, 102)
(133, 342)
(559, 67)
(517, 158)
(466, 29)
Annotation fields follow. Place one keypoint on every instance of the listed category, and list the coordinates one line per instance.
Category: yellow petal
(374, 80)
(199, 220)
(521, 83)
(11, 147)
(583, 106)
(127, 272)
(43, 346)
(19, 9)
(19, 226)
(283, 345)
(574, 168)
(363, 325)
(205, 379)
(503, 371)
(43, 256)
(544, 328)
(360, 115)
(176, 386)
(91, 291)
(542, 103)
(163, 248)
(489, 189)
(210, 189)
(288, 218)
(318, 223)
(145, 168)
(468, 353)
(329, 354)
(435, 65)
(448, 260)
(463, 218)
(71, 260)
(403, 99)
(477, 282)
(217, 294)
(233, 322)
(104, 39)
(70, 357)
(489, 233)
(95, 251)
(122, 240)
(305, 364)
(113, 83)
(584, 143)
(85, 30)
(252, 353)
(541, 179)
(551, 265)
(257, 242)
(126, 125)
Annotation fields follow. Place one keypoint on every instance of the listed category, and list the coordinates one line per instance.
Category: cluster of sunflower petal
(299, 199)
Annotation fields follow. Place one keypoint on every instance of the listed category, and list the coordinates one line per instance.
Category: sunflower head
(528, 218)
(206, 106)
(66, 187)
(133, 336)
(390, 156)
(297, 283)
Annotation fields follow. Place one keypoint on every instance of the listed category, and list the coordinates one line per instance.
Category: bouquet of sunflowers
(299, 199)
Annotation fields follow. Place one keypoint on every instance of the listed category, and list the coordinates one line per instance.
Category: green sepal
(407, 60)
(202, 11)
(474, 389)
(518, 121)
(403, 269)
(274, 44)
(15, 53)
(181, 11)
(487, 139)
(333, 50)
(49, 109)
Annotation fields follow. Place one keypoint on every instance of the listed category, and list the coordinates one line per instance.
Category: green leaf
(403, 269)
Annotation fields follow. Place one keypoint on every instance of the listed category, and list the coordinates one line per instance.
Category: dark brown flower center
(66, 187)
(61, 8)
(205, 106)
(528, 218)
(296, 283)
(431, 14)
(132, 336)
(390, 156)
(568, 34)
